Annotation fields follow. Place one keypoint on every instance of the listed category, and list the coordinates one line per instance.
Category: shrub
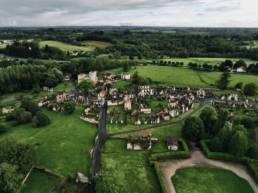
(159, 175)
(3, 128)
(40, 120)
(23, 116)
(250, 89)
(69, 107)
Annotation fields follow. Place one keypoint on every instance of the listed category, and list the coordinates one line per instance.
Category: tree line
(26, 77)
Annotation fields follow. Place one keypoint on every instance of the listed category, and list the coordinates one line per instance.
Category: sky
(174, 13)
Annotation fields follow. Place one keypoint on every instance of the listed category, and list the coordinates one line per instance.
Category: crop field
(127, 171)
(86, 46)
(63, 146)
(188, 77)
(213, 61)
(209, 180)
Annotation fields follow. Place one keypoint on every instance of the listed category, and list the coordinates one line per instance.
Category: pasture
(212, 61)
(212, 180)
(63, 146)
(87, 46)
(188, 77)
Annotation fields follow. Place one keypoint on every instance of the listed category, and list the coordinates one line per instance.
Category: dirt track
(169, 168)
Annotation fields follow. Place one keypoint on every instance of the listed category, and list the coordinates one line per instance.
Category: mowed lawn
(66, 47)
(40, 182)
(188, 77)
(128, 171)
(63, 146)
(209, 180)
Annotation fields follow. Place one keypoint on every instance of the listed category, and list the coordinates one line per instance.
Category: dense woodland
(140, 42)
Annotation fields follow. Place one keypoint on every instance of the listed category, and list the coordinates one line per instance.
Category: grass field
(40, 182)
(87, 46)
(128, 172)
(213, 61)
(209, 180)
(187, 77)
(96, 44)
(63, 146)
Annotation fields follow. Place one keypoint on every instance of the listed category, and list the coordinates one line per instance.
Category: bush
(250, 89)
(23, 116)
(69, 107)
(3, 128)
(159, 175)
(40, 120)
(251, 164)
(30, 106)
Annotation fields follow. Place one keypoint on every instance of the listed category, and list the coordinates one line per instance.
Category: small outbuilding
(172, 143)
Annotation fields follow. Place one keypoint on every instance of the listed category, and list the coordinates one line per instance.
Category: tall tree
(224, 80)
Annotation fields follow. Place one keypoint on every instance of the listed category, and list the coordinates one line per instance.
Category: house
(93, 76)
(81, 77)
(200, 93)
(6, 110)
(125, 76)
(81, 178)
(127, 103)
(172, 143)
(66, 77)
(145, 110)
(241, 69)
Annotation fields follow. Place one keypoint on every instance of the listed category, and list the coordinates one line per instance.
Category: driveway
(169, 168)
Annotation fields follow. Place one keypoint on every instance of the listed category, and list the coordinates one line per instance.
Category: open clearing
(63, 146)
(87, 46)
(188, 77)
(212, 180)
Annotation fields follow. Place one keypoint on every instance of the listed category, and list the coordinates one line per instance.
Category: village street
(169, 168)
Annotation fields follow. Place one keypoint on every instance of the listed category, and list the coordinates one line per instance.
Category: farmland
(212, 180)
(188, 77)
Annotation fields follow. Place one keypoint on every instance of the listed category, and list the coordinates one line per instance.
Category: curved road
(169, 168)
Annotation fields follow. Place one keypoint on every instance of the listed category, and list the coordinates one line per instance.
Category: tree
(223, 82)
(209, 118)
(239, 143)
(30, 106)
(193, 129)
(19, 154)
(10, 178)
(23, 116)
(40, 120)
(252, 151)
(226, 66)
(250, 89)
(239, 86)
(69, 107)
(223, 116)
(85, 86)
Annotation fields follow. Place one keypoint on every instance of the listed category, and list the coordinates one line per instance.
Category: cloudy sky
(192, 13)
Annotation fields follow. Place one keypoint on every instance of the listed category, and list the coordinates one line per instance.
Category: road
(169, 168)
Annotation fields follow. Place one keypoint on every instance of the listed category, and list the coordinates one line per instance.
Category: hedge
(185, 153)
(160, 178)
(251, 164)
